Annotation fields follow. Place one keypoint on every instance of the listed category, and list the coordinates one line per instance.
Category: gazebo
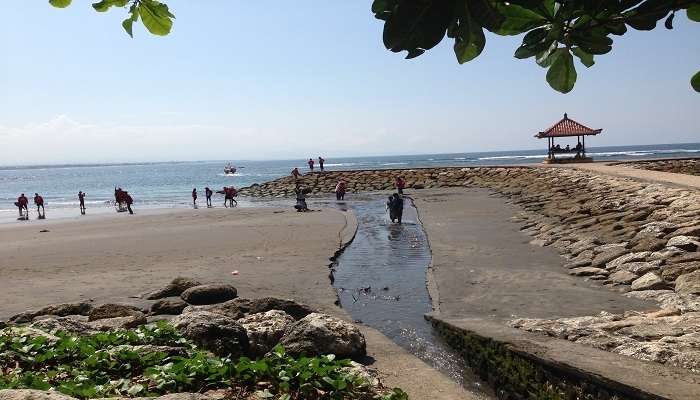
(567, 128)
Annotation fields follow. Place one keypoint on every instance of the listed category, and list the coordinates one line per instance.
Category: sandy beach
(277, 252)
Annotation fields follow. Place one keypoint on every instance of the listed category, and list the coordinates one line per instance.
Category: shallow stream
(381, 281)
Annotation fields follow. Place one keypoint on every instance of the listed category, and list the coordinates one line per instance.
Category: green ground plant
(112, 364)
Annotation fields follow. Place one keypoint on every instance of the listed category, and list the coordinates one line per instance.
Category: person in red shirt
(128, 200)
(39, 202)
(295, 173)
(194, 197)
(22, 204)
(320, 163)
(400, 184)
(340, 190)
(311, 164)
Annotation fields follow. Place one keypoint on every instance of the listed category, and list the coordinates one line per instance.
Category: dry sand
(277, 253)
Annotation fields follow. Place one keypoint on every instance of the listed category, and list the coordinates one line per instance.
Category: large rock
(63, 324)
(648, 281)
(60, 310)
(649, 244)
(215, 332)
(624, 277)
(291, 307)
(687, 243)
(233, 308)
(627, 258)
(587, 271)
(31, 394)
(671, 272)
(318, 334)
(640, 267)
(608, 255)
(688, 283)
(105, 311)
(168, 306)
(174, 288)
(265, 330)
(110, 324)
(209, 294)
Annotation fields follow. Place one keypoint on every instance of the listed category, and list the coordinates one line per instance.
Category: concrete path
(484, 267)
(683, 180)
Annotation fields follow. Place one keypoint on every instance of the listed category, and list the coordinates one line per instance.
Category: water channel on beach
(381, 281)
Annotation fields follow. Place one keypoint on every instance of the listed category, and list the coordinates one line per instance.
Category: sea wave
(513, 157)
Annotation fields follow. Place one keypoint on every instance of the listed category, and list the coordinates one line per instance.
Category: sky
(277, 79)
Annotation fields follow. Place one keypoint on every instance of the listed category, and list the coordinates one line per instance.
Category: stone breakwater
(680, 166)
(637, 238)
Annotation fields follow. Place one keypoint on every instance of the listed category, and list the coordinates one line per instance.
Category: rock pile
(214, 318)
(680, 166)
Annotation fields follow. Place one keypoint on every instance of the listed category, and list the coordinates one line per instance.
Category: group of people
(22, 204)
(229, 193)
(123, 200)
(568, 148)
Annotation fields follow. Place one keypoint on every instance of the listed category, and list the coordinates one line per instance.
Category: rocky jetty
(637, 238)
(690, 166)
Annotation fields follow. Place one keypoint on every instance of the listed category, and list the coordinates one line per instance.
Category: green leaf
(518, 19)
(155, 17)
(60, 3)
(470, 41)
(695, 81)
(105, 5)
(585, 58)
(545, 58)
(694, 12)
(562, 73)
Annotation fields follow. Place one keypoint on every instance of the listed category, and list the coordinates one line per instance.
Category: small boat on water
(229, 169)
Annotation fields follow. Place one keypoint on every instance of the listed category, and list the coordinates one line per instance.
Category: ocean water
(164, 185)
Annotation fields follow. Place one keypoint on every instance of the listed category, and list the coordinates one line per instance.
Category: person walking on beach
(400, 184)
(296, 174)
(39, 202)
(22, 204)
(207, 194)
(194, 197)
(320, 163)
(340, 191)
(128, 200)
(81, 199)
(311, 164)
(229, 194)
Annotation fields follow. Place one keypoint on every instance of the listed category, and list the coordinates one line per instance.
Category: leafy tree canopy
(553, 31)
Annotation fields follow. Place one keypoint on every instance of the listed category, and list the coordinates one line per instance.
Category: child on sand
(194, 197)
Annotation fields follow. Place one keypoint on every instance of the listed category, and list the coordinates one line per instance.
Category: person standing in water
(320, 163)
(39, 202)
(207, 194)
(395, 206)
(81, 199)
(340, 191)
(194, 197)
(311, 164)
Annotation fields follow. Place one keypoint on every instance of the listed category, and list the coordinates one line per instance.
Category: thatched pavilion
(567, 128)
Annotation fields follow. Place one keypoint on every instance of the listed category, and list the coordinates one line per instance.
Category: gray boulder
(608, 255)
(63, 324)
(648, 281)
(265, 330)
(318, 334)
(671, 272)
(60, 310)
(624, 277)
(291, 307)
(109, 310)
(32, 394)
(215, 332)
(233, 308)
(128, 322)
(687, 243)
(209, 294)
(174, 288)
(688, 283)
(168, 306)
(587, 271)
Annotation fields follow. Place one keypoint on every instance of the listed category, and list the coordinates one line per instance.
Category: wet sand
(277, 252)
(484, 267)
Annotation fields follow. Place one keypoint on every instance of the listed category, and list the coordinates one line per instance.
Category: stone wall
(634, 237)
(690, 166)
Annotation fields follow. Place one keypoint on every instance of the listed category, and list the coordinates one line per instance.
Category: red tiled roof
(567, 127)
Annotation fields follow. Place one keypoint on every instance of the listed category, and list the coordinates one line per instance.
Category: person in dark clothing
(81, 198)
(340, 189)
(311, 164)
(129, 201)
(320, 163)
(390, 208)
(301, 199)
(296, 174)
(400, 184)
(22, 204)
(207, 194)
(397, 207)
(39, 202)
(194, 197)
